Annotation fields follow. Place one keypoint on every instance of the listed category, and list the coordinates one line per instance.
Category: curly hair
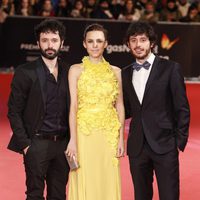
(50, 25)
(139, 28)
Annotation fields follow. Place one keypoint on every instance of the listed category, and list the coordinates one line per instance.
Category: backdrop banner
(177, 41)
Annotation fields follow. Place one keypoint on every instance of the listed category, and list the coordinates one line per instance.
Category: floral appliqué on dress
(98, 89)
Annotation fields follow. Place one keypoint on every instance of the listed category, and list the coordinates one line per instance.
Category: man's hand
(25, 150)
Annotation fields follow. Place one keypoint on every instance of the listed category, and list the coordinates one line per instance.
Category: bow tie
(145, 65)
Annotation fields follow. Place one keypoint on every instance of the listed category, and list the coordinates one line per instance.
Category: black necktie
(145, 65)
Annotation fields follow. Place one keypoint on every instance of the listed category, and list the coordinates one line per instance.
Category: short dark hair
(138, 28)
(95, 27)
(50, 25)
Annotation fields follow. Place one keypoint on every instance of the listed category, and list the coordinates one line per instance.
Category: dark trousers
(45, 162)
(166, 169)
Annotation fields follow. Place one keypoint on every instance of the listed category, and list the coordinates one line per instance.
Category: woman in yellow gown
(96, 122)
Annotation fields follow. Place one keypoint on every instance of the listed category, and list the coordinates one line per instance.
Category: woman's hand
(120, 149)
(71, 150)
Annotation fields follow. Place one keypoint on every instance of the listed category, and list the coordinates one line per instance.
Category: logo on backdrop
(166, 43)
(32, 50)
(30, 47)
(117, 49)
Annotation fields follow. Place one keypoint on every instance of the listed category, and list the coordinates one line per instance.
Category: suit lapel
(152, 76)
(42, 78)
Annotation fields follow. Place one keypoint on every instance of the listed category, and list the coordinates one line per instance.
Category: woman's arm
(120, 110)
(73, 76)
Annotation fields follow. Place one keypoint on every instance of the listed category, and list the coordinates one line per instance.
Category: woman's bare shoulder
(116, 69)
(76, 68)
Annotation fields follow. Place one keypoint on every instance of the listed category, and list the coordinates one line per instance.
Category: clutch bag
(73, 163)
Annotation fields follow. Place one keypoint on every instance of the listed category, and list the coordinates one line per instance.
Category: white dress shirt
(139, 78)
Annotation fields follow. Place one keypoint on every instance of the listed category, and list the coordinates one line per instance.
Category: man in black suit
(155, 98)
(38, 110)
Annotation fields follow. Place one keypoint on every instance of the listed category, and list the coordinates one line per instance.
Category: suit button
(36, 131)
(41, 117)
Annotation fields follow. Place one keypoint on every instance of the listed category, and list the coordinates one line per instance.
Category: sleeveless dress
(98, 177)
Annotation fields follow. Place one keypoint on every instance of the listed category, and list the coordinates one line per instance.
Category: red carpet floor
(12, 178)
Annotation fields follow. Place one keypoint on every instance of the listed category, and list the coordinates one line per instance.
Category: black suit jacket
(26, 105)
(163, 118)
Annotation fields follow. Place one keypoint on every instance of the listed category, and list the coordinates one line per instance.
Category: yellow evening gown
(98, 177)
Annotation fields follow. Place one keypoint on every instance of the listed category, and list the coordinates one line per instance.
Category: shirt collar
(150, 59)
(47, 71)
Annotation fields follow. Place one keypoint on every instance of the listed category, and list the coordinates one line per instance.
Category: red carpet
(12, 177)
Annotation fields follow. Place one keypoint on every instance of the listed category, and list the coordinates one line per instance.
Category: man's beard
(145, 55)
(52, 55)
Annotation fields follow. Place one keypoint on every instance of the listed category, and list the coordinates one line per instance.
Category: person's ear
(106, 44)
(84, 45)
(152, 44)
(62, 43)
